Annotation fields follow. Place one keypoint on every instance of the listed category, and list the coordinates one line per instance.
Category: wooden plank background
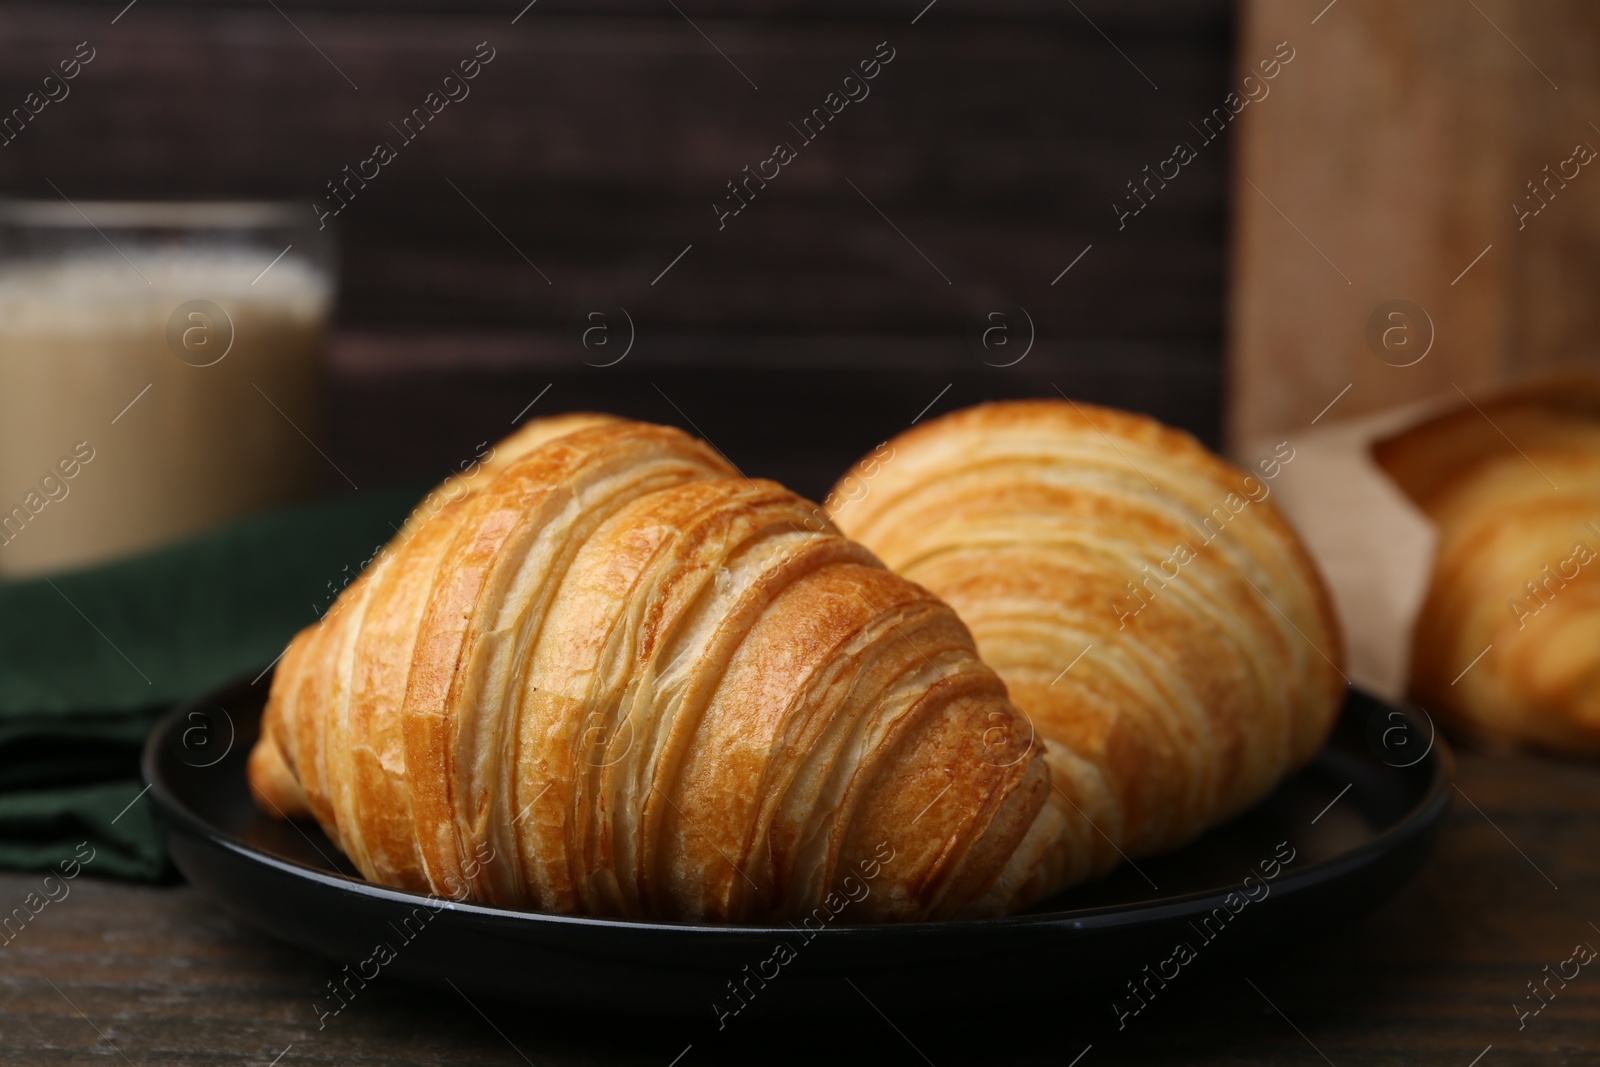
(596, 141)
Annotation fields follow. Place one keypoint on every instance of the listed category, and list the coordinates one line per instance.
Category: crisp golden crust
(1147, 606)
(1515, 590)
(613, 677)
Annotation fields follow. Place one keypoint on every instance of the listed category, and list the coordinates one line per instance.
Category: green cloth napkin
(90, 660)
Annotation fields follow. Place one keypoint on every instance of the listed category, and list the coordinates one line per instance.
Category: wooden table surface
(161, 976)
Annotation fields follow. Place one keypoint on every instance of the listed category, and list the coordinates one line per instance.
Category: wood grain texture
(798, 410)
(596, 141)
(1386, 159)
(795, 339)
(1428, 978)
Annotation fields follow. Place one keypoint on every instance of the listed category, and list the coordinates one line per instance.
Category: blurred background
(1004, 209)
(853, 293)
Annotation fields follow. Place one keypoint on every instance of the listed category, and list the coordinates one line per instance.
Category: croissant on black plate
(608, 675)
(1148, 607)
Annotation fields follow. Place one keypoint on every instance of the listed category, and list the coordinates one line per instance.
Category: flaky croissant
(605, 674)
(1148, 608)
(1507, 645)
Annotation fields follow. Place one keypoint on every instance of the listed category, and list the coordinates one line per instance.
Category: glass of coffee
(161, 371)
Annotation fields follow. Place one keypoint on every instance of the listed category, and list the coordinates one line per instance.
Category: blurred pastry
(1507, 645)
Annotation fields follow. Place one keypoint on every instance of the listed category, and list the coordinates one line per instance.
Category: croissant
(603, 673)
(1150, 611)
(1507, 645)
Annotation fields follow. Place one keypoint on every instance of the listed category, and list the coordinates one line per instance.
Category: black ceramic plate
(1358, 821)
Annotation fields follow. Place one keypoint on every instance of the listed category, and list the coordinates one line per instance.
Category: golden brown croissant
(605, 674)
(1507, 645)
(1150, 611)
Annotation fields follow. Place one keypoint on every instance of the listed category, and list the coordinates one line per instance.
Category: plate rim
(1423, 816)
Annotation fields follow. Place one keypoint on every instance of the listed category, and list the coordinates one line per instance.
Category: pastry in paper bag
(1462, 541)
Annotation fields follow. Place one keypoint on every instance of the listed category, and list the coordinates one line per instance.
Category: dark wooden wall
(596, 142)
